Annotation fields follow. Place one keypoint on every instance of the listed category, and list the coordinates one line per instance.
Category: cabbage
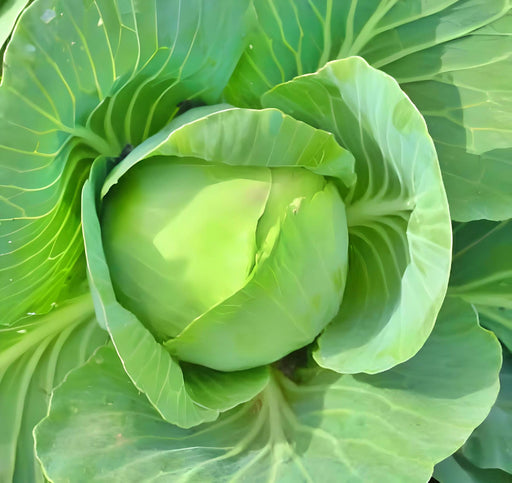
(254, 240)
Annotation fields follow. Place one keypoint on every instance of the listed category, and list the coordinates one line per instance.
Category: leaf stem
(94, 141)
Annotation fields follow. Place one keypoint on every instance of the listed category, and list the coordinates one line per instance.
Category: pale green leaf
(463, 90)
(149, 365)
(400, 236)
(223, 390)
(452, 57)
(324, 427)
(290, 297)
(9, 12)
(239, 137)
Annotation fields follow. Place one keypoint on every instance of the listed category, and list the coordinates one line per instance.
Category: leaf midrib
(73, 313)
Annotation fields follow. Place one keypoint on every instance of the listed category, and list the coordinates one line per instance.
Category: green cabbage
(255, 240)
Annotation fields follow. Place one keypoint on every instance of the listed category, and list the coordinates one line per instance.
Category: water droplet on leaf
(48, 16)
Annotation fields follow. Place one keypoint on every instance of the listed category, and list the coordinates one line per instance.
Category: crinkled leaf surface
(35, 356)
(386, 427)
(397, 214)
(149, 365)
(82, 78)
(459, 81)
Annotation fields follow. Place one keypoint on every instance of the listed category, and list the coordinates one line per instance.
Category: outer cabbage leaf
(82, 78)
(464, 96)
(458, 469)
(499, 320)
(490, 445)
(398, 29)
(324, 426)
(9, 12)
(486, 456)
(482, 266)
(463, 90)
(291, 38)
(400, 237)
(35, 356)
(482, 272)
(294, 38)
